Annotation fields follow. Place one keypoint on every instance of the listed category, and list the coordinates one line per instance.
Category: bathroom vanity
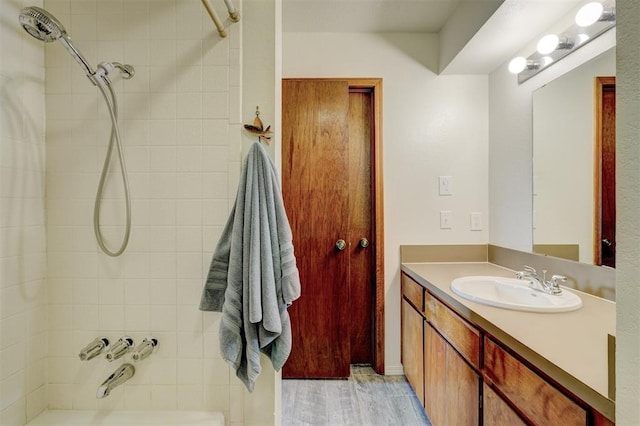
(470, 363)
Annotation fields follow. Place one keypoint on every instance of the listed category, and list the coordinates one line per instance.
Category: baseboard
(394, 370)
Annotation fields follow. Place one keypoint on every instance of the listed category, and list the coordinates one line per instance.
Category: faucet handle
(145, 348)
(530, 270)
(94, 348)
(556, 278)
(121, 347)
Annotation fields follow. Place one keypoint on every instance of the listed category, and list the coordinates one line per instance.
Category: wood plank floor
(365, 399)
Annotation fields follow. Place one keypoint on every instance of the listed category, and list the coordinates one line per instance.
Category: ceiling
(427, 16)
(491, 42)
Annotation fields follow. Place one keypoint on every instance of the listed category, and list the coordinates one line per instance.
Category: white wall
(432, 125)
(628, 209)
(23, 294)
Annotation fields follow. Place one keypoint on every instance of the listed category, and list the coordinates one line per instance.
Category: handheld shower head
(45, 27)
(41, 24)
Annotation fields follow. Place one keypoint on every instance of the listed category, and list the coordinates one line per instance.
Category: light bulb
(517, 65)
(582, 38)
(589, 14)
(548, 44)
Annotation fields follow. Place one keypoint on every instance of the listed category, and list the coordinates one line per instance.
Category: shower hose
(114, 139)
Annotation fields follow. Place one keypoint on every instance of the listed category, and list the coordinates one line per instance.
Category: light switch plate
(476, 221)
(446, 219)
(444, 185)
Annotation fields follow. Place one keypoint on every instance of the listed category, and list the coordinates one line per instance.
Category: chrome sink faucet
(541, 284)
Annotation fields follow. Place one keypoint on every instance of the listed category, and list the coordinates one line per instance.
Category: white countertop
(569, 342)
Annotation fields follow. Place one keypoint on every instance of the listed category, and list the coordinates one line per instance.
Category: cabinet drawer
(542, 403)
(413, 292)
(460, 334)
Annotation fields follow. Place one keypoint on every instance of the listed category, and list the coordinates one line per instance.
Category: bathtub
(127, 418)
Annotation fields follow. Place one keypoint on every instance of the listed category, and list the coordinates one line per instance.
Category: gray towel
(253, 275)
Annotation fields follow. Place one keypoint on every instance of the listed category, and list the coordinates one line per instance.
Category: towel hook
(257, 128)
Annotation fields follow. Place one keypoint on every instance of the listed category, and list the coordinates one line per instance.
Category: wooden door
(605, 187)
(315, 188)
(361, 259)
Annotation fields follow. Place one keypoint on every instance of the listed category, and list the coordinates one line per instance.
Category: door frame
(375, 86)
(600, 84)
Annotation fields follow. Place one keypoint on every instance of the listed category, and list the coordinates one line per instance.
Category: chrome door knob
(341, 245)
(364, 242)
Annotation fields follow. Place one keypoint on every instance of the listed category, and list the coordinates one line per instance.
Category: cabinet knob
(341, 245)
(364, 242)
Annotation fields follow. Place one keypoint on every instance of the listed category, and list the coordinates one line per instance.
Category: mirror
(565, 169)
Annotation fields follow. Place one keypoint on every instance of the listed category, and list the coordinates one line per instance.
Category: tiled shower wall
(23, 296)
(180, 122)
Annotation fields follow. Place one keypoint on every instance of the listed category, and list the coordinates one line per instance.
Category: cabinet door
(412, 348)
(435, 377)
(451, 387)
(463, 391)
(496, 412)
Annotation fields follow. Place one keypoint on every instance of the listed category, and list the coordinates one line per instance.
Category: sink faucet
(541, 284)
(118, 377)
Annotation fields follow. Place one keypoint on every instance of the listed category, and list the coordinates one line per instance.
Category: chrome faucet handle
(94, 348)
(556, 278)
(120, 348)
(555, 287)
(530, 270)
(145, 348)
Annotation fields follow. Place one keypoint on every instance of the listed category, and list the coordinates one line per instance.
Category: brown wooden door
(605, 240)
(327, 193)
(361, 262)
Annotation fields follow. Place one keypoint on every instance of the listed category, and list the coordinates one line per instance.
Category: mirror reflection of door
(605, 177)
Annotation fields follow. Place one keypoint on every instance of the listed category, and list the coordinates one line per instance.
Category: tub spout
(118, 377)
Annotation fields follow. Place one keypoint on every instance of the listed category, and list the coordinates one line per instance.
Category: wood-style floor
(365, 399)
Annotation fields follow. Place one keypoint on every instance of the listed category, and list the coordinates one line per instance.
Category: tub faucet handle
(145, 348)
(120, 348)
(94, 348)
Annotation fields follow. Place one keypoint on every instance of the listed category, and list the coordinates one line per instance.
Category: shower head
(41, 24)
(45, 27)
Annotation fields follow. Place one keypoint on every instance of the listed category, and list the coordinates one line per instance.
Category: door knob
(606, 243)
(364, 242)
(341, 245)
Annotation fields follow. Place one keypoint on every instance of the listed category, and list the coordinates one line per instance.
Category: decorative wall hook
(257, 128)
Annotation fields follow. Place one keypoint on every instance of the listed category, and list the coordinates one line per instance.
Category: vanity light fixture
(591, 20)
(548, 44)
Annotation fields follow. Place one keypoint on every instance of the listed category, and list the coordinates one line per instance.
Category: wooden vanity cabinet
(412, 352)
(465, 377)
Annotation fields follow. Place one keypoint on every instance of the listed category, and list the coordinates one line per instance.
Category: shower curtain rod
(233, 14)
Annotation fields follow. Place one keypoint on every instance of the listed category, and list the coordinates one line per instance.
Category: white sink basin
(511, 293)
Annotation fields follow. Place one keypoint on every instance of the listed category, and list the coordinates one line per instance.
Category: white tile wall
(23, 294)
(181, 135)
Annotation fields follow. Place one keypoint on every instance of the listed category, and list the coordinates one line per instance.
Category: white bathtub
(128, 418)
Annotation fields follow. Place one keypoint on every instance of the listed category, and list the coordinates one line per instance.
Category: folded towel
(253, 275)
